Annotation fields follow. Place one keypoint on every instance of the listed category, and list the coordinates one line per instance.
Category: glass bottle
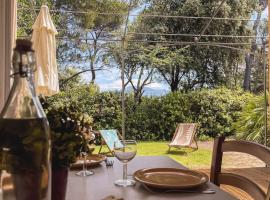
(24, 135)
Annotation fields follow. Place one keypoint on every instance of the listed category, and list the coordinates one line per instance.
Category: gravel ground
(234, 159)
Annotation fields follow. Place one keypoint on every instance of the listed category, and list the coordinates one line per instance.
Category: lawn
(192, 159)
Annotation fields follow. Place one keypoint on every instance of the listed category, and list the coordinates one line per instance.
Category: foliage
(215, 110)
(65, 75)
(172, 64)
(182, 67)
(104, 108)
(87, 47)
(26, 17)
(204, 66)
(157, 117)
(250, 121)
(69, 129)
(84, 31)
(252, 59)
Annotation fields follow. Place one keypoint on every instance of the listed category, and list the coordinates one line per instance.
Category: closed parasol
(44, 44)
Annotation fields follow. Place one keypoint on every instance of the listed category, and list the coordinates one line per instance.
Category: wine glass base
(124, 183)
(84, 173)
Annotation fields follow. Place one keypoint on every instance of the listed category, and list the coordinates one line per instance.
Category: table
(101, 184)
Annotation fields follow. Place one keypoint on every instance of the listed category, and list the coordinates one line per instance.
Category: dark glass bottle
(24, 135)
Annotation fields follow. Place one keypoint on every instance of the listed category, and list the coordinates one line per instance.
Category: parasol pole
(265, 97)
(123, 73)
(123, 89)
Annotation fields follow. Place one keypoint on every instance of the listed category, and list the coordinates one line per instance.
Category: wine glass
(124, 151)
(84, 171)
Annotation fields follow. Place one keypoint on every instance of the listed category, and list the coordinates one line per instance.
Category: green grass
(188, 157)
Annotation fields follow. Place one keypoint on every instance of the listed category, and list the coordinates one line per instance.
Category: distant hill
(150, 91)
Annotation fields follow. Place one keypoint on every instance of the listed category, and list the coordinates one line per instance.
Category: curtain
(8, 20)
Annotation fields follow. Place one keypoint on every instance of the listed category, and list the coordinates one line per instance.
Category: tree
(250, 57)
(137, 70)
(171, 64)
(260, 61)
(209, 66)
(95, 28)
(26, 16)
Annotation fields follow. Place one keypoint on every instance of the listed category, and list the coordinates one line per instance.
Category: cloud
(117, 85)
(113, 85)
(157, 86)
(110, 81)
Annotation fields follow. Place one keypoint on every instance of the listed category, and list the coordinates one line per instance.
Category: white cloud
(110, 81)
(117, 85)
(157, 86)
(114, 85)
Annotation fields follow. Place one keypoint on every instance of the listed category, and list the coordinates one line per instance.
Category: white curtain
(8, 24)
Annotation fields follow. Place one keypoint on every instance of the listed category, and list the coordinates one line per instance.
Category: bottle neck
(26, 83)
(22, 101)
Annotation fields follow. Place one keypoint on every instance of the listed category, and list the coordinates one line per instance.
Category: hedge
(156, 118)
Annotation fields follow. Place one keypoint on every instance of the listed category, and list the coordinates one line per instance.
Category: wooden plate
(92, 161)
(170, 178)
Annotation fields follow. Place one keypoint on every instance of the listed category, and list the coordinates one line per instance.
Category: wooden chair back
(268, 192)
(251, 148)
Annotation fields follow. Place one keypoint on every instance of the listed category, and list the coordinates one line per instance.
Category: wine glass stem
(125, 171)
(84, 163)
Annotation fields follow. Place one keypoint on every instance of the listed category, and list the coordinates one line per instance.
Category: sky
(111, 81)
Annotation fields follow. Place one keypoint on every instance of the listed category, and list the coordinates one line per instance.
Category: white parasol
(44, 44)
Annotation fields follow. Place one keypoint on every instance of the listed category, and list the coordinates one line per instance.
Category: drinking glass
(124, 151)
(84, 171)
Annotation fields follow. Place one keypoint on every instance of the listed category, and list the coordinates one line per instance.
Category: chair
(217, 177)
(184, 136)
(109, 137)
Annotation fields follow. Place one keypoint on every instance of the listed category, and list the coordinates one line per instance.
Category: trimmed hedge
(156, 117)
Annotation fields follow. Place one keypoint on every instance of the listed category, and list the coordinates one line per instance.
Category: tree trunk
(247, 78)
(138, 96)
(93, 73)
(250, 58)
(92, 61)
(174, 86)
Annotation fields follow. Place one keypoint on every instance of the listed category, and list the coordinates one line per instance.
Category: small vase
(59, 183)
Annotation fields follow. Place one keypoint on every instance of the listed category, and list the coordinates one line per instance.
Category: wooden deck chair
(184, 136)
(109, 137)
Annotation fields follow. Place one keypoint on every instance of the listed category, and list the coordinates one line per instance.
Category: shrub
(216, 110)
(143, 120)
(156, 118)
(104, 108)
(250, 121)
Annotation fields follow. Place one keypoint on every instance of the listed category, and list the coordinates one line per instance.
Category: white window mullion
(8, 20)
